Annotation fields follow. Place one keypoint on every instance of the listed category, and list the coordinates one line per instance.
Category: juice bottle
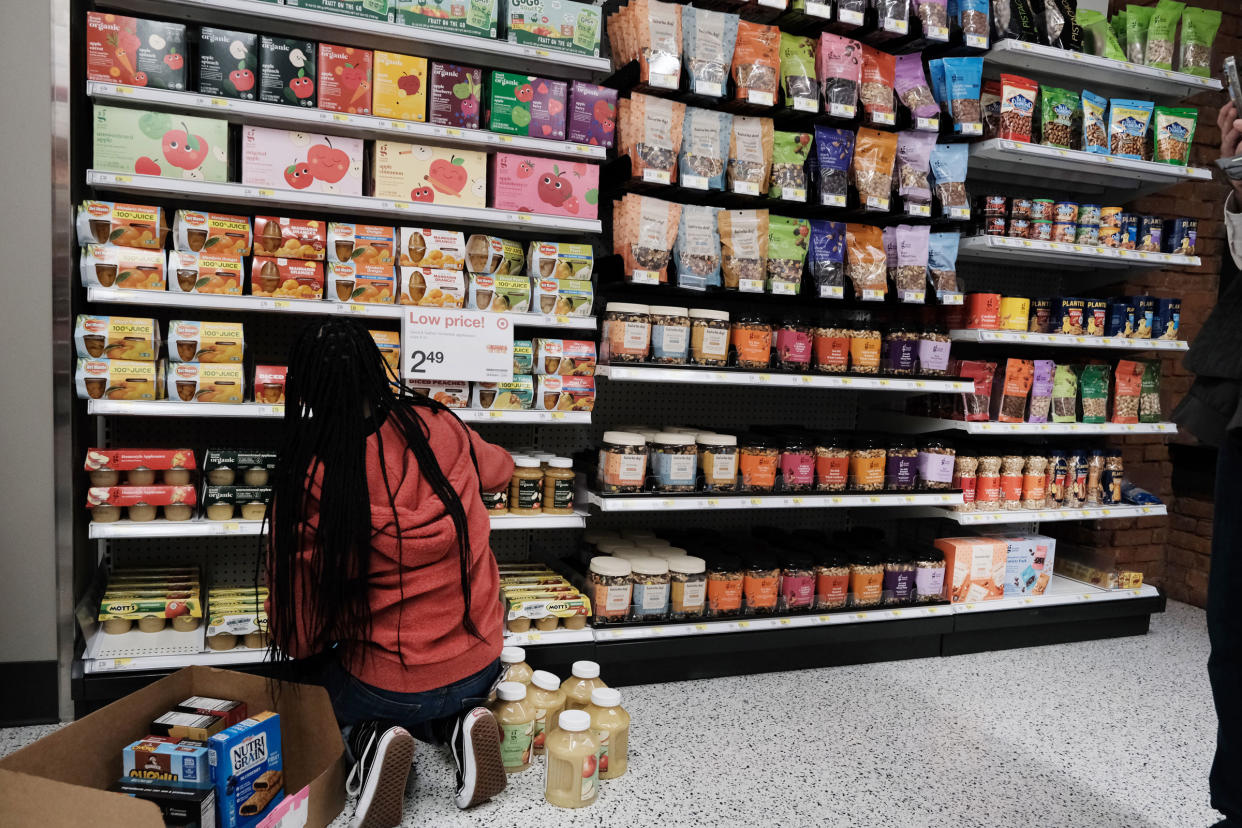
(610, 725)
(583, 679)
(571, 779)
(513, 661)
(516, 717)
(548, 698)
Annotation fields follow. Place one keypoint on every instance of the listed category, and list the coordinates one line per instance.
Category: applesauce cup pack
(290, 238)
(432, 287)
(208, 382)
(499, 294)
(559, 260)
(213, 233)
(286, 278)
(117, 379)
(236, 502)
(361, 243)
(362, 282)
(141, 502)
(124, 225)
(195, 341)
(563, 297)
(106, 265)
(425, 247)
(142, 467)
(449, 394)
(116, 337)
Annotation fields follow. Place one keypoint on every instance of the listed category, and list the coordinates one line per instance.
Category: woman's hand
(1230, 136)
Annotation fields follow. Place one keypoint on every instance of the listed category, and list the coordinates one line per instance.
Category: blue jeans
(428, 715)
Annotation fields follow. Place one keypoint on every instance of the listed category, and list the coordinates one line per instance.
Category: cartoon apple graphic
(554, 188)
(242, 79)
(449, 177)
(174, 60)
(302, 86)
(525, 169)
(299, 176)
(524, 93)
(603, 763)
(181, 149)
(572, 205)
(588, 767)
(602, 110)
(327, 163)
(147, 166)
(352, 75)
(140, 79)
(409, 84)
(470, 106)
(423, 194)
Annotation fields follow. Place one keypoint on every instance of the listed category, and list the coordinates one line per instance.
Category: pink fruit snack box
(553, 187)
(292, 160)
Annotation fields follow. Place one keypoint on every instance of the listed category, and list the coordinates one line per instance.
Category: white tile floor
(1099, 734)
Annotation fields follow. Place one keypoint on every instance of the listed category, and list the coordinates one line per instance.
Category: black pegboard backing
(224, 560)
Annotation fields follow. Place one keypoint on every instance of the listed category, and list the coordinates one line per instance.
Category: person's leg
(1224, 618)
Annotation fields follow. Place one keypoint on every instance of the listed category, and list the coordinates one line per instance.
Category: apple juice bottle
(610, 725)
(571, 779)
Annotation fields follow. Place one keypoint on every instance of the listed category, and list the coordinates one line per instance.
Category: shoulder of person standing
(1230, 139)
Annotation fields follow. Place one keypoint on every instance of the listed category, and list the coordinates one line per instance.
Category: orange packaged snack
(651, 136)
(126, 225)
(756, 63)
(361, 243)
(644, 230)
(1010, 390)
(872, 170)
(1127, 391)
(744, 249)
(204, 273)
(215, 234)
(290, 238)
(286, 278)
(106, 265)
(879, 70)
(269, 384)
(866, 261)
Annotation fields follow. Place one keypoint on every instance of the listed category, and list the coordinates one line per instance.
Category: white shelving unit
(655, 503)
(1068, 340)
(258, 304)
(257, 113)
(922, 425)
(1045, 515)
(208, 658)
(212, 528)
(177, 408)
(698, 376)
(535, 638)
(1006, 252)
(263, 198)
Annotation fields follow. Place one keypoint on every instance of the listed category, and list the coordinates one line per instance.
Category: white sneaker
(476, 750)
(385, 759)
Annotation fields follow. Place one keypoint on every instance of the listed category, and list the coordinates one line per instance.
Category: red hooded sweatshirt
(426, 600)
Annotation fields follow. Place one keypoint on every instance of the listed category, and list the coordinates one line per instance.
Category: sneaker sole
(386, 802)
(489, 773)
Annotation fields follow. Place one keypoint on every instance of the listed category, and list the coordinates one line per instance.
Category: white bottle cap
(511, 690)
(545, 681)
(575, 721)
(605, 697)
(526, 462)
(512, 655)
(585, 669)
(561, 462)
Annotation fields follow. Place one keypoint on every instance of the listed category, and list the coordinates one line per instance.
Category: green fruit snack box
(530, 184)
(470, 17)
(554, 24)
(156, 143)
(526, 105)
(366, 9)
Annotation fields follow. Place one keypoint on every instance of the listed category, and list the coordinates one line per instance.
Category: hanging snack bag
(1119, 23)
(973, 405)
(651, 136)
(878, 80)
(1017, 113)
(750, 155)
(1041, 391)
(935, 71)
(1138, 21)
(942, 261)
(1093, 385)
(970, 17)
(934, 15)
(1128, 122)
(798, 80)
(872, 170)
(948, 167)
(1162, 34)
(834, 155)
(1175, 132)
(1199, 28)
(914, 151)
(643, 233)
(743, 249)
(851, 12)
(1149, 400)
(1010, 390)
(827, 258)
(704, 148)
(708, 38)
(1127, 391)
(894, 15)
(1014, 20)
(839, 65)
(658, 27)
(788, 239)
(1061, 29)
(1065, 394)
(789, 156)
(990, 105)
(1097, 36)
(915, 92)
(910, 273)
(1094, 123)
(756, 63)
(697, 250)
(866, 261)
(1057, 110)
(963, 82)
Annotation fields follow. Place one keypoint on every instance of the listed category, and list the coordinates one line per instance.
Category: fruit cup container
(345, 79)
(290, 238)
(400, 89)
(228, 63)
(216, 234)
(208, 342)
(104, 265)
(282, 278)
(116, 337)
(208, 382)
(135, 52)
(530, 184)
(592, 114)
(362, 243)
(427, 247)
(287, 71)
(205, 273)
(526, 105)
(287, 159)
(156, 143)
(477, 18)
(118, 379)
(126, 225)
(372, 284)
(455, 94)
(414, 172)
(269, 384)
(432, 287)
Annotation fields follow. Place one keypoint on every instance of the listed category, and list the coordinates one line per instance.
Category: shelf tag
(912, 297)
(972, 128)
(885, 118)
(831, 292)
(784, 288)
(872, 295)
(940, 33)
(694, 182)
(746, 188)
(759, 97)
(665, 81)
(232, 527)
(750, 285)
(833, 201)
(783, 622)
(877, 203)
(794, 194)
(931, 124)
(645, 277)
(840, 110)
(959, 212)
(948, 298)
(651, 176)
(814, 9)
(700, 627)
(743, 624)
(849, 16)
(805, 105)
(557, 415)
(977, 41)
(918, 210)
(709, 88)
(756, 501)
(896, 25)
(357, 308)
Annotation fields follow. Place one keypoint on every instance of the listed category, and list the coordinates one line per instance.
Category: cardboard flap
(30, 801)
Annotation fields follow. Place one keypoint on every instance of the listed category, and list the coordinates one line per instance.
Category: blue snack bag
(704, 149)
(697, 249)
(963, 83)
(826, 258)
(833, 154)
(942, 261)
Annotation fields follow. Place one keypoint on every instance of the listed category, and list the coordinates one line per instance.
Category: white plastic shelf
(535, 638)
(263, 198)
(574, 521)
(1061, 591)
(1003, 250)
(212, 528)
(654, 503)
(1110, 78)
(324, 307)
(697, 376)
(290, 21)
(906, 424)
(1046, 515)
(176, 408)
(205, 658)
(257, 113)
(1068, 340)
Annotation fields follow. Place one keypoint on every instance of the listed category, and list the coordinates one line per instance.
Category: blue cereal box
(167, 762)
(246, 764)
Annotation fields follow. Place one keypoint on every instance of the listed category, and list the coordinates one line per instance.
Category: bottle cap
(605, 697)
(545, 681)
(512, 655)
(561, 462)
(526, 462)
(585, 669)
(574, 721)
(511, 690)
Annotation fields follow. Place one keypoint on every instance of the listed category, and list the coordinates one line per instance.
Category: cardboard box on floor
(62, 778)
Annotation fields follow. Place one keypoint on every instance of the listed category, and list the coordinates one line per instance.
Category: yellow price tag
(558, 415)
(711, 501)
(524, 217)
(797, 501)
(765, 378)
(668, 504)
(743, 624)
(266, 193)
(1086, 597)
(860, 616)
(824, 619)
(784, 622)
(356, 308)
(535, 637)
(121, 662)
(455, 133)
(337, 116)
(933, 610)
(122, 179)
(232, 527)
(700, 627)
(756, 501)
(506, 139)
(282, 304)
(562, 320)
(896, 613)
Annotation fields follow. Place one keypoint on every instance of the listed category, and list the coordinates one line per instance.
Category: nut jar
(794, 344)
(900, 350)
(865, 348)
(899, 577)
(832, 463)
(670, 334)
(758, 460)
(725, 581)
(558, 486)
(750, 340)
(687, 587)
(929, 571)
(718, 457)
(709, 337)
(867, 461)
(1110, 481)
(1012, 466)
(987, 483)
(900, 466)
(797, 581)
(965, 477)
(1035, 482)
(622, 463)
(761, 585)
(650, 598)
(797, 465)
(626, 333)
(933, 351)
(832, 579)
(866, 578)
(674, 462)
(611, 589)
(830, 347)
(936, 465)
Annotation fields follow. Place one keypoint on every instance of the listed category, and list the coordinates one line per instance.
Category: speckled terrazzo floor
(1100, 734)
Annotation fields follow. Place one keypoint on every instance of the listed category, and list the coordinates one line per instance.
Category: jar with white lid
(610, 545)
(558, 486)
(709, 337)
(611, 589)
(718, 462)
(626, 333)
(674, 460)
(670, 334)
(687, 587)
(526, 487)
(631, 553)
(650, 599)
(622, 463)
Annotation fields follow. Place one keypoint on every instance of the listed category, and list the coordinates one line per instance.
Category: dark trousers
(1224, 618)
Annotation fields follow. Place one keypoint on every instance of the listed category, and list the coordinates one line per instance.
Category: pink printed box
(301, 161)
(544, 185)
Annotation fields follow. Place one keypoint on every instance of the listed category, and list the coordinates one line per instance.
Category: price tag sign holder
(457, 344)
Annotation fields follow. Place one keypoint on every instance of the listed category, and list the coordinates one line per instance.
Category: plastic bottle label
(515, 743)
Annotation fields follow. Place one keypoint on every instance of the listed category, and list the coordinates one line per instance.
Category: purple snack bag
(1041, 391)
(910, 269)
(592, 114)
(826, 258)
(834, 152)
(454, 96)
(890, 251)
(913, 168)
(916, 93)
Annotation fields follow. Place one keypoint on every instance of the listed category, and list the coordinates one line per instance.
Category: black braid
(338, 391)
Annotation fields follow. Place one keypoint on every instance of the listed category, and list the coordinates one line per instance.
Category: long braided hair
(338, 392)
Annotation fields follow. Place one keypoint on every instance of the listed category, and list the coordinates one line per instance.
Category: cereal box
(554, 24)
(156, 762)
(432, 287)
(116, 379)
(286, 278)
(592, 114)
(205, 273)
(269, 384)
(126, 225)
(361, 243)
(134, 51)
(287, 71)
(227, 63)
(104, 265)
(415, 172)
(362, 282)
(156, 143)
(195, 341)
(206, 382)
(472, 17)
(214, 233)
(290, 238)
(425, 247)
(301, 161)
(248, 769)
(400, 89)
(345, 79)
(454, 96)
(526, 105)
(116, 337)
(541, 185)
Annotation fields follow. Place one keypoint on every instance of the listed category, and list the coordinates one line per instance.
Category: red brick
(1154, 522)
(1197, 584)
(1182, 523)
(1195, 507)
(1132, 537)
(1204, 528)
(1160, 535)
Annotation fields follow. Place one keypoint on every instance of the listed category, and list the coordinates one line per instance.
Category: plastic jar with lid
(497, 503)
(610, 725)
(933, 350)
(758, 460)
(513, 661)
(965, 477)
(797, 465)
(936, 464)
(830, 346)
(572, 777)
(583, 678)
(761, 585)
(526, 487)
(548, 698)
(622, 463)
(1095, 475)
(750, 340)
(900, 350)
(611, 588)
(797, 581)
(674, 462)
(558, 487)
(1035, 481)
(832, 579)
(794, 344)
(709, 337)
(625, 334)
(865, 348)
(1110, 480)
(718, 457)
(650, 599)
(543, 457)
(1012, 466)
(725, 580)
(867, 465)
(866, 578)
(670, 334)
(987, 483)
(832, 463)
(929, 571)
(900, 467)
(630, 553)
(899, 577)
(687, 577)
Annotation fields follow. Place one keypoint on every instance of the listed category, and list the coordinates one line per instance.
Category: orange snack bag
(757, 63)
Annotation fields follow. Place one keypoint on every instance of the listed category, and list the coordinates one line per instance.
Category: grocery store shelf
(1106, 178)
(698, 376)
(774, 623)
(207, 301)
(664, 503)
(1045, 515)
(257, 113)
(1110, 78)
(263, 198)
(208, 658)
(176, 408)
(535, 638)
(211, 528)
(1068, 340)
(574, 521)
(1007, 251)
(907, 424)
(288, 21)
(1061, 591)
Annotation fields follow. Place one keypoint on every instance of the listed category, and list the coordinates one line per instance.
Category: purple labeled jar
(901, 467)
(901, 349)
(899, 574)
(798, 465)
(929, 571)
(935, 464)
(933, 351)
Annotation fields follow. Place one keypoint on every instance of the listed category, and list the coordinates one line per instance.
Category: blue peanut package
(246, 765)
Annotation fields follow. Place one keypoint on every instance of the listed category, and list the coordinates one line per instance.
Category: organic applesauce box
(286, 278)
(125, 225)
(135, 52)
(194, 341)
(414, 172)
(216, 234)
(116, 337)
(526, 105)
(362, 282)
(368, 9)
(269, 384)
(455, 95)
(345, 79)
(499, 294)
(290, 238)
(432, 287)
(286, 71)
(204, 273)
(361, 243)
(103, 265)
(400, 89)
(206, 382)
(424, 247)
(227, 63)
(116, 379)
(472, 17)
(554, 24)
(156, 143)
(296, 160)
